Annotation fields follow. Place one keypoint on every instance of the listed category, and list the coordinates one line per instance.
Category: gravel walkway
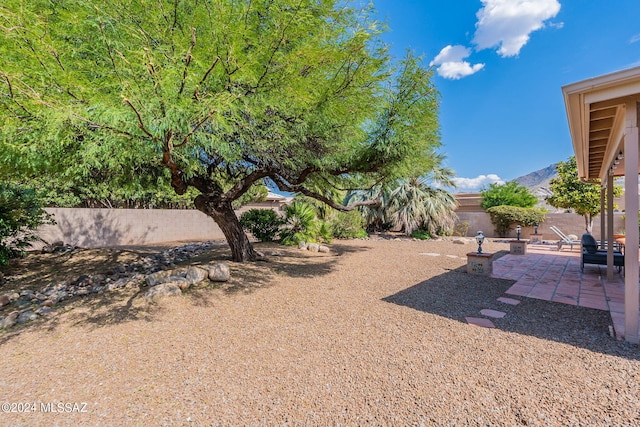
(372, 333)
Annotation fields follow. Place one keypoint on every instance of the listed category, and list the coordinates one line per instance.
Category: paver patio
(555, 276)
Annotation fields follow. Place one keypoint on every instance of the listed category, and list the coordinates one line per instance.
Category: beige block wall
(568, 223)
(90, 228)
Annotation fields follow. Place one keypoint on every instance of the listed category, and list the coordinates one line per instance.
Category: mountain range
(538, 182)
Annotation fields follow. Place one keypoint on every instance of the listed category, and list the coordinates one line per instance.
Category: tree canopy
(213, 96)
(569, 192)
(508, 194)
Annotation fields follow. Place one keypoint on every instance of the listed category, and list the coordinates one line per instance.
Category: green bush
(503, 217)
(508, 194)
(264, 224)
(21, 213)
(347, 225)
(300, 224)
(421, 234)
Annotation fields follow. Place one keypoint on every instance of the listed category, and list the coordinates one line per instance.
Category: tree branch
(13, 98)
(283, 186)
(204, 78)
(195, 129)
(187, 60)
(140, 122)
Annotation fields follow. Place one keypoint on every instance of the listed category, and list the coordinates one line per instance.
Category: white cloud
(469, 185)
(635, 39)
(451, 64)
(506, 24)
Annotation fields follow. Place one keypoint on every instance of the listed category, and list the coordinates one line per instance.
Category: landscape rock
(459, 242)
(10, 320)
(4, 300)
(14, 296)
(44, 311)
(302, 245)
(324, 249)
(313, 247)
(156, 278)
(26, 316)
(163, 290)
(49, 249)
(196, 275)
(219, 272)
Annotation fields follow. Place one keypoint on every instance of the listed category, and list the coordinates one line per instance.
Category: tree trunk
(224, 215)
(588, 222)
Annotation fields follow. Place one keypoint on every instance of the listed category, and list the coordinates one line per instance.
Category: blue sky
(500, 68)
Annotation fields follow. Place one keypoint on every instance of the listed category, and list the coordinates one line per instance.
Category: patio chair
(592, 255)
(564, 239)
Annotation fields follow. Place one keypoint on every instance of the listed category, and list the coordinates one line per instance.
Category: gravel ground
(373, 333)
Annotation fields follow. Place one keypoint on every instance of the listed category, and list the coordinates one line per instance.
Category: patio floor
(548, 274)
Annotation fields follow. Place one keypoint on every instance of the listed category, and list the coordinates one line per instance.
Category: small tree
(509, 194)
(569, 192)
(20, 215)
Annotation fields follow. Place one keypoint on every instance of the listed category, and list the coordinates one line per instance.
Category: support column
(602, 223)
(609, 233)
(631, 293)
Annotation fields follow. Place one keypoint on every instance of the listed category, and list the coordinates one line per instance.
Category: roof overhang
(596, 111)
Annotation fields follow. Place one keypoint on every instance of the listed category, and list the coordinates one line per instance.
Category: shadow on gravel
(456, 295)
(123, 305)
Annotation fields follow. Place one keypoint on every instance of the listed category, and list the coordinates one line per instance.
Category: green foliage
(300, 224)
(347, 225)
(421, 234)
(264, 224)
(224, 95)
(411, 204)
(504, 217)
(509, 194)
(569, 192)
(21, 213)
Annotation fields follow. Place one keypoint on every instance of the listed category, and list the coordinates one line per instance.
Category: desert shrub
(21, 213)
(300, 224)
(264, 224)
(461, 229)
(503, 217)
(421, 234)
(347, 225)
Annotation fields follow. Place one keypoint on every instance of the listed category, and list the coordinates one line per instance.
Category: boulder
(324, 249)
(313, 247)
(49, 249)
(302, 245)
(10, 320)
(196, 275)
(219, 272)
(164, 276)
(26, 316)
(4, 300)
(163, 290)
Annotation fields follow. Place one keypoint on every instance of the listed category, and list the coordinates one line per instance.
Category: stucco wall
(568, 223)
(92, 228)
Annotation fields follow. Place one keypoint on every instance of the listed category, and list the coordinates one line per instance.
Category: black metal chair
(592, 255)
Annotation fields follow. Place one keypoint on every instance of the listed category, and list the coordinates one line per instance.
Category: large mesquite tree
(222, 94)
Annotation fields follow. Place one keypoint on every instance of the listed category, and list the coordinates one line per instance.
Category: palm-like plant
(414, 203)
(375, 216)
(301, 224)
